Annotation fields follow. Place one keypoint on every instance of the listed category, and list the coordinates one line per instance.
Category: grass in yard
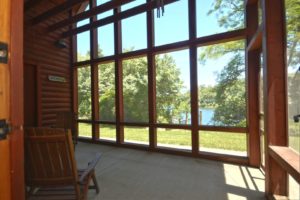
(174, 137)
(294, 135)
(136, 134)
(85, 130)
(108, 132)
(223, 140)
(294, 142)
(208, 139)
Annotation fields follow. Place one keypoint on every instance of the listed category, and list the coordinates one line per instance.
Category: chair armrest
(90, 168)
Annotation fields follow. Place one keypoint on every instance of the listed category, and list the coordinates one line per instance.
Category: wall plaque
(57, 79)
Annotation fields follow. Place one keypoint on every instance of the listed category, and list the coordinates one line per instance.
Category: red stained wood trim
(119, 79)
(250, 2)
(208, 40)
(117, 17)
(94, 75)
(211, 156)
(151, 80)
(106, 122)
(242, 130)
(256, 41)
(252, 86)
(222, 37)
(275, 94)
(56, 10)
(288, 159)
(17, 101)
(92, 12)
(194, 76)
(137, 124)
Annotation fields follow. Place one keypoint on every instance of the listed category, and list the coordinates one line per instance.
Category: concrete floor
(126, 174)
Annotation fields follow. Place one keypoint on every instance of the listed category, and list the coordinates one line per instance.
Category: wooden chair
(68, 120)
(51, 171)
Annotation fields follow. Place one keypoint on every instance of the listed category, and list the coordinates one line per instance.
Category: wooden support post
(119, 80)
(73, 72)
(252, 77)
(275, 94)
(151, 80)
(94, 75)
(193, 75)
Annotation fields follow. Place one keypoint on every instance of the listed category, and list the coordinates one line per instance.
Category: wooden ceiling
(32, 3)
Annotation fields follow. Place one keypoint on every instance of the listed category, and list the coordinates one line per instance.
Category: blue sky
(172, 27)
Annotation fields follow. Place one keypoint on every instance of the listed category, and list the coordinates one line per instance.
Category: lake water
(206, 118)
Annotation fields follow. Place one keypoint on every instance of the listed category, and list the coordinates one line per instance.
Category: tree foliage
(169, 95)
(226, 97)
(229, 99)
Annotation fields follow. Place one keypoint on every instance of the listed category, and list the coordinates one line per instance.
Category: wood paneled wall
(40, 50)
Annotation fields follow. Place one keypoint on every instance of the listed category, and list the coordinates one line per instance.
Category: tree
(135, 90)
(229, 100)
(207, 96)
(84, 93)
(293, 32)
(168, 89)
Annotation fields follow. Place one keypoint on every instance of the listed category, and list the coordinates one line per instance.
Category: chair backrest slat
(49, 157)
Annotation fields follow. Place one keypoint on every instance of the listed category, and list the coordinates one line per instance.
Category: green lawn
(180, 138)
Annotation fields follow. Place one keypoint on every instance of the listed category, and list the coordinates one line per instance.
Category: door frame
(15, 188)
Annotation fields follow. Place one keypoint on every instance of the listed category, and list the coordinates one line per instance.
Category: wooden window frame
(191, 44)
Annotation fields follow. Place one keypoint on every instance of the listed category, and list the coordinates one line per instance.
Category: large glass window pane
(83, 46)
(173, 25)
(106, 43)
(223, 142)
(106, 78)
(85, 21)
(108, 132)
(293, 69)
(294, 188)
(104, 14)
(174, 138)
(173, 87)
(221, 84)
(132, 4)
(219, 16)
(293, 84)
(84, 93)
(138, 135)
(85, 130)
(134, 33)
(135, 90)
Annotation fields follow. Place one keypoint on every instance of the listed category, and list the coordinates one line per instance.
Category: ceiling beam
(56, 10)
(123, 15)
(92, 12)
(31, 3)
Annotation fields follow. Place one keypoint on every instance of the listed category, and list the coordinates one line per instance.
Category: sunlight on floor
(127, 174)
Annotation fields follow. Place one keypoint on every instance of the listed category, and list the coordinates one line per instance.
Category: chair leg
(95, 183)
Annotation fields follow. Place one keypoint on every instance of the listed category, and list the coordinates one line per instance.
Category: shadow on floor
(126, 174)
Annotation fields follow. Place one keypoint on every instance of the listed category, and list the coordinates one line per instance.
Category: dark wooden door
(30, 95)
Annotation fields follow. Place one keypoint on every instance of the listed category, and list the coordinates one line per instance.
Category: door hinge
(5, 129)
(3, 52)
